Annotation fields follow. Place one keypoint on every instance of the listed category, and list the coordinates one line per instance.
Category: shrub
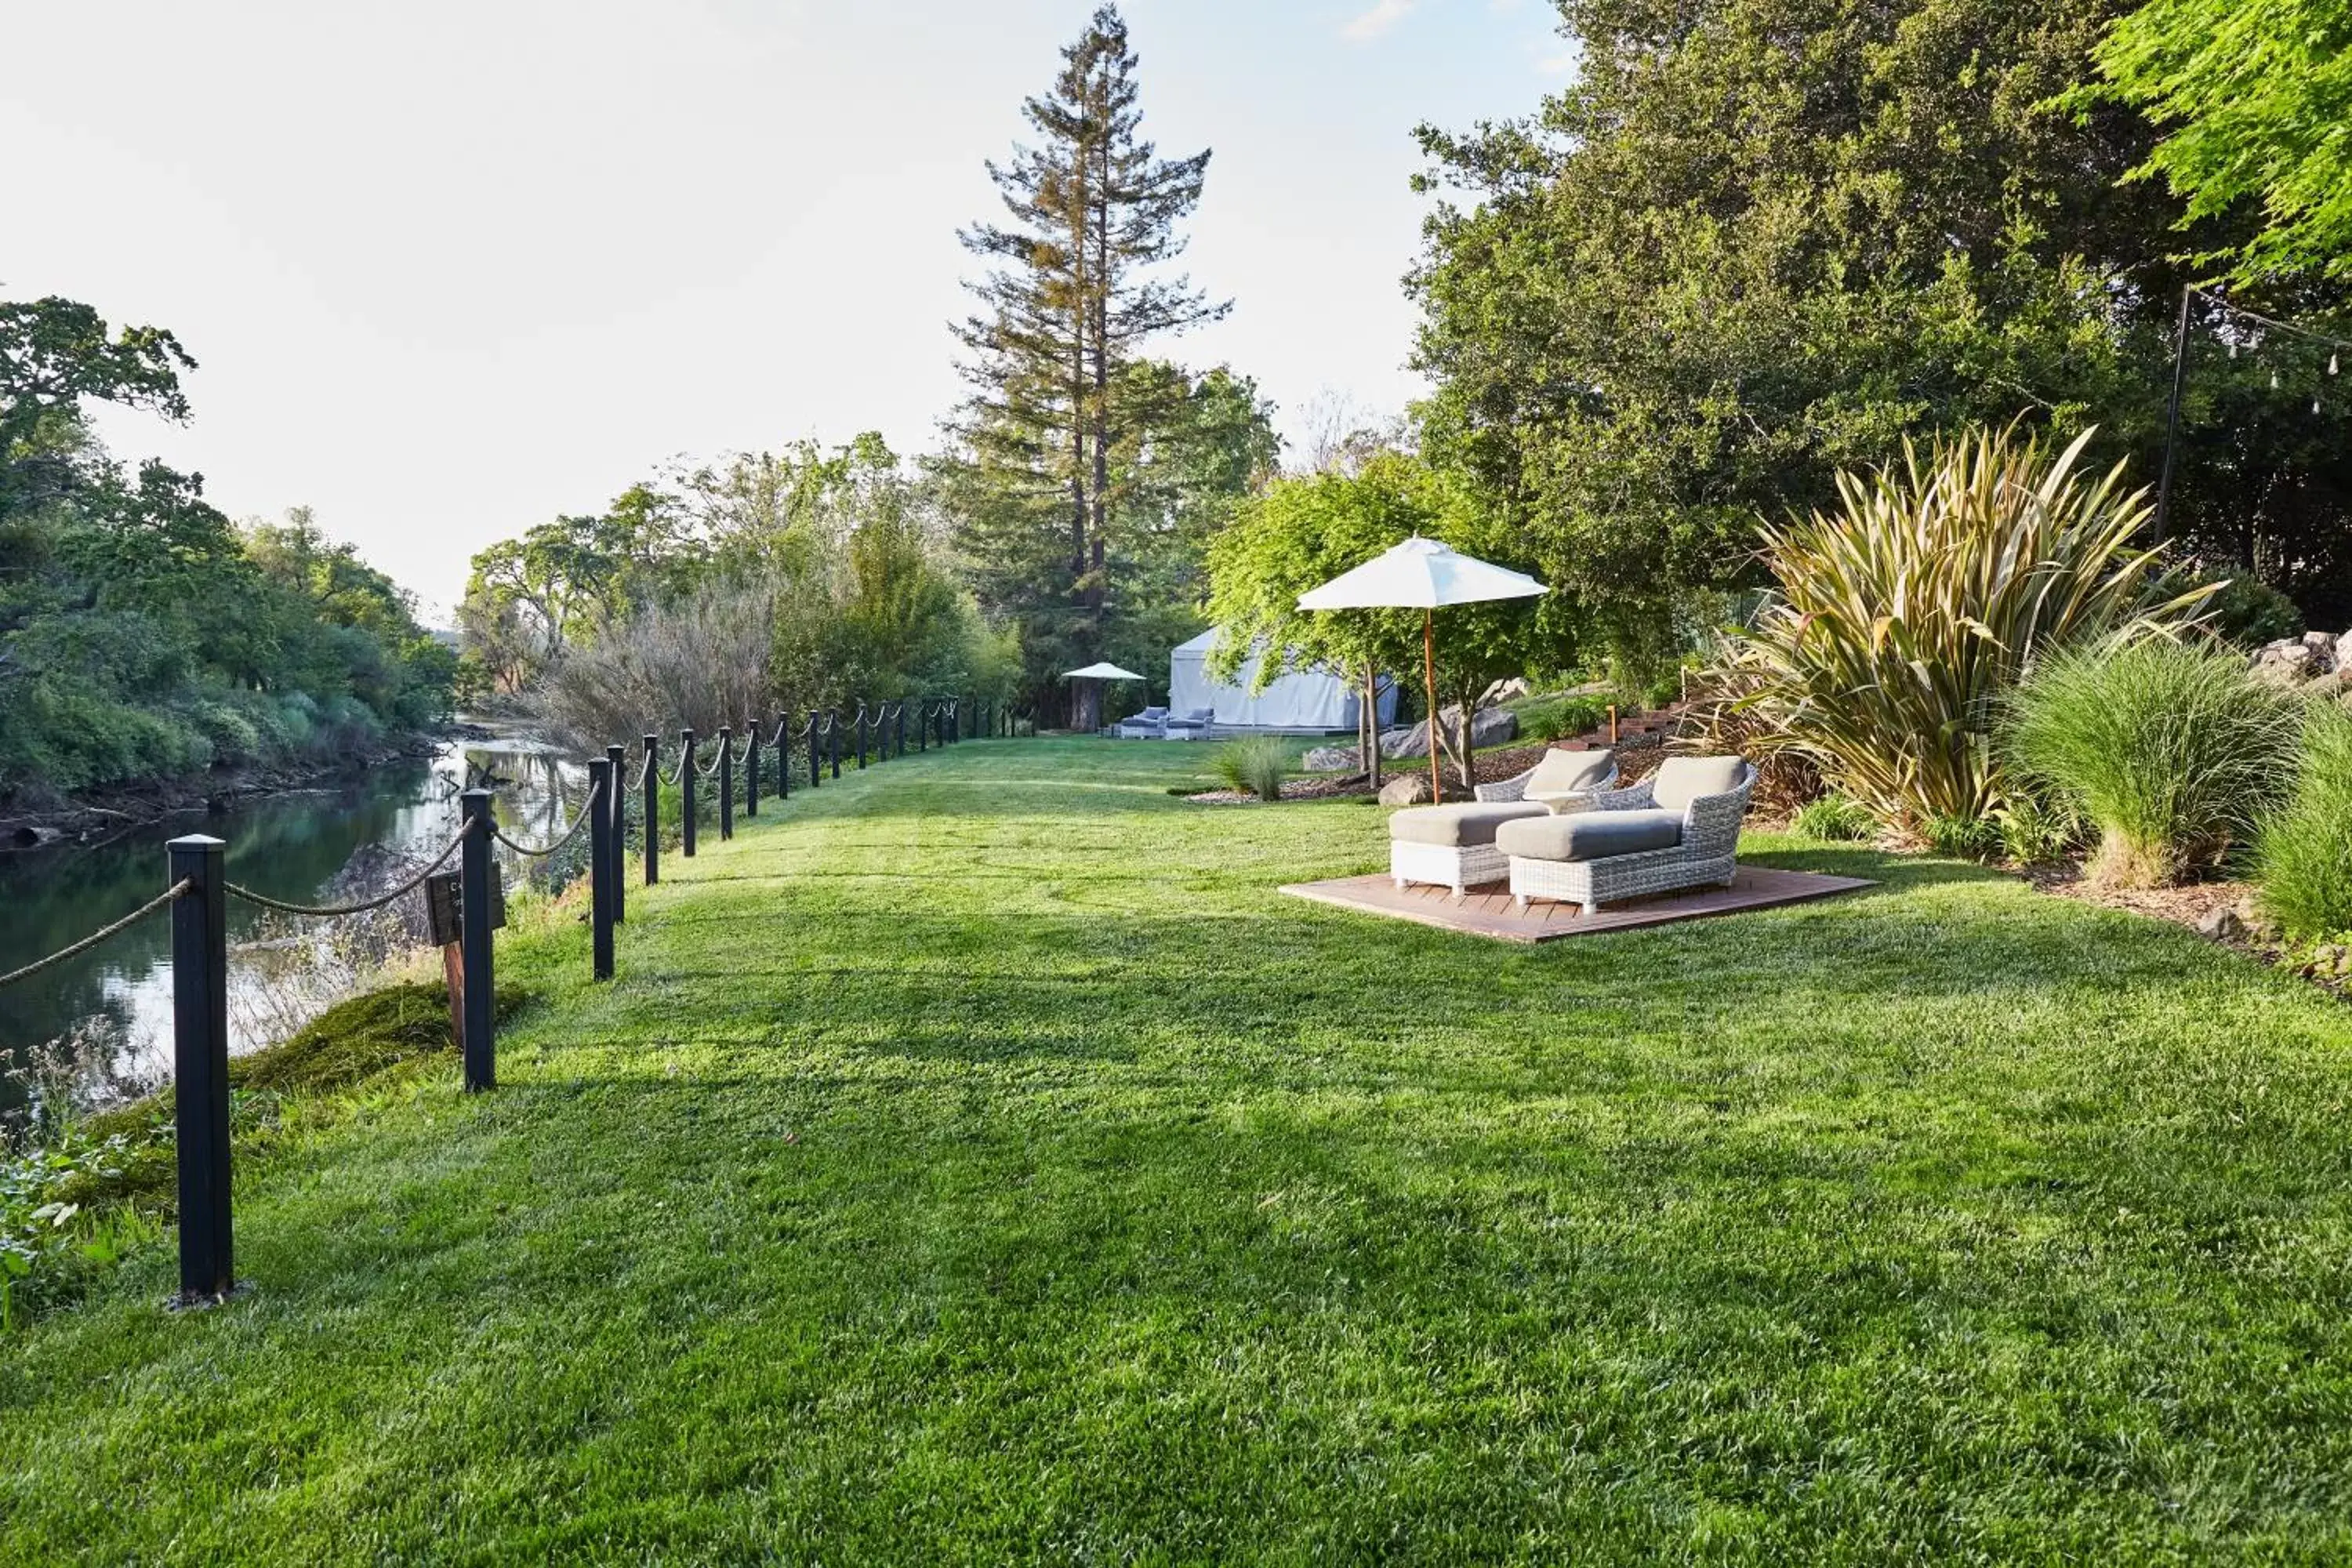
(2034, 831)
(2169, 749)
(1254, 766)
(2250, 611)
(2303, 856)
(1836, 817)
(1549, 718)
(1962, 837)
(1904, 618)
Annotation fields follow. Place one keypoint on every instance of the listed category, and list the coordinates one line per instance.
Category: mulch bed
(2188, 905)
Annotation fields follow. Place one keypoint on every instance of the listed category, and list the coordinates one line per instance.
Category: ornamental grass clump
(2303, 856)
(2168, 749)
(1904, 616)
(1254, 766)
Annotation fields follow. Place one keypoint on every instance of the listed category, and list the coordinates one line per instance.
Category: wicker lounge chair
(1150, 725)
(1194, 724)
(1454, 846)
(1677, 829)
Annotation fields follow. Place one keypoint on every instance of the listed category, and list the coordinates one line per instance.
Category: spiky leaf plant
(1905, 616)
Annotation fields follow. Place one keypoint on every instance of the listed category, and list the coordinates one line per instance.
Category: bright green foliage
(979, 1160)
(2303, 855)
(1549, 718)
(1254, 765)
(1835, 818)
(1758, 241)
(141, 635)
(1305, 530)
(2254, 96)
(809, 580)
(1903, 618)
(2170, 748)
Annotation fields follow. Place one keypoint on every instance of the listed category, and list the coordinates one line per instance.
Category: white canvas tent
(1303, 699)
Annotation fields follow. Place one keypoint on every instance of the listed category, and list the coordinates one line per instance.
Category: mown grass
(979, 1160)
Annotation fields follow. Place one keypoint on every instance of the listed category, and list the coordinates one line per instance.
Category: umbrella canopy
(1424, 575)
(1421, 574)
(1100, 672)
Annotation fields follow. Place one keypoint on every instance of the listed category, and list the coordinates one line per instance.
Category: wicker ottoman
(1452, 845)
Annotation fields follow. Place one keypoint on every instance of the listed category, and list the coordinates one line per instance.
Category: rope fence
(102, 934)
(466, 905)
(262, 900)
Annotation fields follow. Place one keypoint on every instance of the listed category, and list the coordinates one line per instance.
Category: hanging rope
(264, 902)
(588, 810)
(710, 767)
(101, 934)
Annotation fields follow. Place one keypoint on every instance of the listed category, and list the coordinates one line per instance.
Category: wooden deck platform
(1488, 911)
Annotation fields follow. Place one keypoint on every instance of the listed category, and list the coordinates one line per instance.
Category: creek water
(318, 846)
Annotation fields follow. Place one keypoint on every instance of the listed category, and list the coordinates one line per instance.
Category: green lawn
(978, 1160)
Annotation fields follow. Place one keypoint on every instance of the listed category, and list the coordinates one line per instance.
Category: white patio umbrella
(1421, 574)
(1102, 669)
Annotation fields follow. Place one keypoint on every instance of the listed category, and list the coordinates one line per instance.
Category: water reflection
(312, 846)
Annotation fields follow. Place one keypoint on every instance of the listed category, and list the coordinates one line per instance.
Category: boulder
(2288, 662)
(1488, 727)
(2221, 924)
(2323, 652)
(1405, 789)
(1330, 759)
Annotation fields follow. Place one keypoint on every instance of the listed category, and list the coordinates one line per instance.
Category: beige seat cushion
(1682, 780)
(1590, 834)
(1457, 827)
(1560, 772)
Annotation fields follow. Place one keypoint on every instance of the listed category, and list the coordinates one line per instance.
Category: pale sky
(450, 270)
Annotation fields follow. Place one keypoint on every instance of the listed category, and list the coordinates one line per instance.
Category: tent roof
(1203, 644)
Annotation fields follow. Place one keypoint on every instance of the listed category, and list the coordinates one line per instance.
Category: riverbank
(979, 1160)
(94, 816)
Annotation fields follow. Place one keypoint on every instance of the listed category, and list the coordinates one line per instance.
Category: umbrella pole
(1429, 682)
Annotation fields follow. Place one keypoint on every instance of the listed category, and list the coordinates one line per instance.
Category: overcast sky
(450, 270)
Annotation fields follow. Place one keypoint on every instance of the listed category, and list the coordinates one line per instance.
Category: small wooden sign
(445, 905)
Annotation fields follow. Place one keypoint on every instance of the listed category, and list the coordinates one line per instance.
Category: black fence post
(784, 753)
(752, 767)
(816, 752)
(726, 782)
(617, 853)
(200, 1061)
(600, 867)
(474, 944)
(653, 809)
(686, 786)
(861, 734)
(833, 740)
(923, 726)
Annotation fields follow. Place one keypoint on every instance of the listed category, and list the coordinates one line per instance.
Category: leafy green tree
(1759, 240)
(140, 636)
(1092, 211)
(2255, 96)
(1305, 530)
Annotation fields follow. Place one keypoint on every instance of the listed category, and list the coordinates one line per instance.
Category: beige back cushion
(1570, 771)
(1682, 780)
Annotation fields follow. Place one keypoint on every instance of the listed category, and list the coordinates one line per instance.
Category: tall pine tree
(1091, 210)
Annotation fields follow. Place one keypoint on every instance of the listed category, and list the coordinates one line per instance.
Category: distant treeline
(143, 635)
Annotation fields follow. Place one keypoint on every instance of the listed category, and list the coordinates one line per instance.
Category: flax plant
(1904, 616)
